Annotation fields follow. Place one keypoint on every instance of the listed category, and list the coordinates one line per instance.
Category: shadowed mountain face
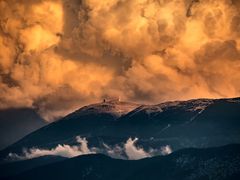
(194, 123)
(16, 167)
(222, 163)
(16, 123)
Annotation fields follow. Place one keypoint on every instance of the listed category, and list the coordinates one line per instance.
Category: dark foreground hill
(16, 167)
(179, 124)
(221, 163)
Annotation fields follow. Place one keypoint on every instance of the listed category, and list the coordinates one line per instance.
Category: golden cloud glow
(76, 52)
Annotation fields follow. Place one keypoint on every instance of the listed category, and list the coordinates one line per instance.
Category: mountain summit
(114, 107)
(181, 124)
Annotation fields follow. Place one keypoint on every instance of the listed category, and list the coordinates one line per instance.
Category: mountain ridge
(178, 124)
(209, 163)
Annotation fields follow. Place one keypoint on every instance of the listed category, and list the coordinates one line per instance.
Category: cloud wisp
(60, 150)
(128, 151)
(134, 152)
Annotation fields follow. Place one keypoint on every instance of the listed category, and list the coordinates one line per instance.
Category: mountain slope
(16, 123)
(181, 124)
(195, 164)
(16, 167)
(86, 121)
(194, 122)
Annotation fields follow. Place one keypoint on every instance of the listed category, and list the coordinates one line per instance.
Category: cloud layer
(128, 151)
(58, 55)
(132, 151)
(60, 150)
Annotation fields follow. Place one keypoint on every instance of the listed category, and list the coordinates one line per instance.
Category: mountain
(220, 163)
(180, 124)
(16, 167)
(114, 108)
(193, 123)
(87, 120)
(16, 123)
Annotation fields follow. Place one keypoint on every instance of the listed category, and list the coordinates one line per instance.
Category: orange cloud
(76, 52)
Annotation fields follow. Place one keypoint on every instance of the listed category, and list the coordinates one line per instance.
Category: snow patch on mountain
(115, 108)
(234, 100)
(198, 105)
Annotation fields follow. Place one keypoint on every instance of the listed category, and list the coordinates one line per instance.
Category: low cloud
(129, 150)
(134, 152)
(165, 150)
(114, 152)
(60, 150)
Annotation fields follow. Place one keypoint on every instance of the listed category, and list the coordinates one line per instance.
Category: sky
(57, 55)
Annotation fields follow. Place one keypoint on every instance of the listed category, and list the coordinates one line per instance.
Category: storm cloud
(58, 55)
